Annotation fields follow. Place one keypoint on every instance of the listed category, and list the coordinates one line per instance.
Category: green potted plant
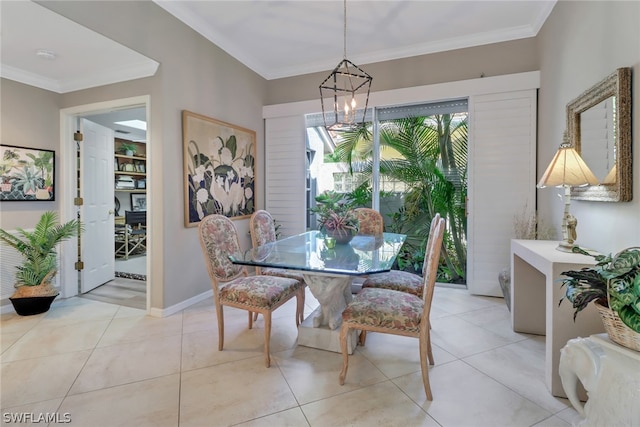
(613, 285)
(335, 216)
(128, 148)
(34, 291)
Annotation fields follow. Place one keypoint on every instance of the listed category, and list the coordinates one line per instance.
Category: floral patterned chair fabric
(234, 288)
(402, 280)
(262, 228)
(263, 231)
(371, 221)
(385, 308)
(397, 280)
(398, 313)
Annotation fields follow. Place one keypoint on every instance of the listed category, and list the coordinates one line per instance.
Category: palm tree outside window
(422, 170)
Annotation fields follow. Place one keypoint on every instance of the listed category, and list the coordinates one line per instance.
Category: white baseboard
(165, 312)
(8, 308)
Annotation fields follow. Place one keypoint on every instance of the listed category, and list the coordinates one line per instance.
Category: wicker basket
(618, 331)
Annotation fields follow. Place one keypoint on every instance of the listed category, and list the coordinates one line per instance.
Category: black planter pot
(32, 305)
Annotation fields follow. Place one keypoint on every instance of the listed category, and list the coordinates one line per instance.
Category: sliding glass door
(409, 162)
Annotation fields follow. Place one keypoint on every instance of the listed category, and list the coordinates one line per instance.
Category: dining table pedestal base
(321, 329)
(322, 337)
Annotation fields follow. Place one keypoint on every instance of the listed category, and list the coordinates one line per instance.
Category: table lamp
(567, 169)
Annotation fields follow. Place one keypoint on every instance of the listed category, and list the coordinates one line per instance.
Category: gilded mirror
(599, 125)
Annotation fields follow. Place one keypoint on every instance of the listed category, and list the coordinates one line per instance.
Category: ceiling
(43, 49)
(286, 38)
(276, 39)
(110, 120)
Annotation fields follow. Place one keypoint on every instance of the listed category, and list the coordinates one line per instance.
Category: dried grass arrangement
(527, 225)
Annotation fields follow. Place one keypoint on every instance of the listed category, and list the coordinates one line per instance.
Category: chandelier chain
(345, 30)
(349, 86)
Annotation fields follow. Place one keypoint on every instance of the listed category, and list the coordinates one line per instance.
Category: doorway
(111, 115)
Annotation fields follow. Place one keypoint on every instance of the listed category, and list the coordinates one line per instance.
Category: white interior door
(97, 191)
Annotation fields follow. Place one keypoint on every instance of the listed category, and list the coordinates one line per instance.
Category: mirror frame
(617, 84)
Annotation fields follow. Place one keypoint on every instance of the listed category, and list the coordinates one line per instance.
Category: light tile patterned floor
(108, 365)
(121, 291)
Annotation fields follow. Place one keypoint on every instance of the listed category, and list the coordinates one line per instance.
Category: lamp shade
(567, 169)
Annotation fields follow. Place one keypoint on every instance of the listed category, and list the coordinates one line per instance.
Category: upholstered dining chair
(233, 287)
(263, 231)
(398, 313)
(401, 280)
(371, 221)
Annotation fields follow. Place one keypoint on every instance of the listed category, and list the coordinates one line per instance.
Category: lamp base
(565, 247)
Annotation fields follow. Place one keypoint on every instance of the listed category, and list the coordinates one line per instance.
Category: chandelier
(348, 87)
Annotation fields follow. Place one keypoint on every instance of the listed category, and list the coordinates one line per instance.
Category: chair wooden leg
(344, 333)
(267, 337)
(220, 314)
(126, 244)
(255, 316)
(251, 319)
(363, 337)
(429, 350)
(424, 367)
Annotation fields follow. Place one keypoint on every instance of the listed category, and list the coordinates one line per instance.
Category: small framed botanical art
(26, 174)
(219, 168)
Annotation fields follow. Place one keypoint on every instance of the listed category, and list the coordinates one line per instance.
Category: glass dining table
(328, 270)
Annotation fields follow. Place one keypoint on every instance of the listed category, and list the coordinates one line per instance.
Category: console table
(536, 268)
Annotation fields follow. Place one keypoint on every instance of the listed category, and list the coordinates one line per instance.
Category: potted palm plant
(34, 291)
(336, 217)
(613, 285)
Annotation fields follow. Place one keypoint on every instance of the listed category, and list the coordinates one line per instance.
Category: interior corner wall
(194, 75)
(580, 44)
(29, 117)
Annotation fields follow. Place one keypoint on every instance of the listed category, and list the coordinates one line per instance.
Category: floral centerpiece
(335, 216)
(614, 287)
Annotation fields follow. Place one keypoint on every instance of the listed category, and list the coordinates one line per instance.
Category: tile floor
(121, 291)
(108, 365)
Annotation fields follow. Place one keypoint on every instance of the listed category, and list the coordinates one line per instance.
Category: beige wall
(580, 44)
(30, 118)
(461, 64)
